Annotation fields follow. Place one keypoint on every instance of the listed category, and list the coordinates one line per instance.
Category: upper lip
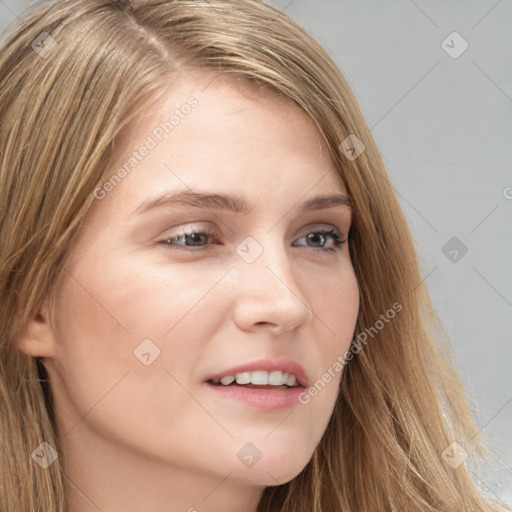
(268, 365)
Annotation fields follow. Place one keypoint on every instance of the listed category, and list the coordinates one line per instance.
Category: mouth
(258, 380)
(267, 385)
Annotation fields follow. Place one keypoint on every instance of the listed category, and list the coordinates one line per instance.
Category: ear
(38, 340)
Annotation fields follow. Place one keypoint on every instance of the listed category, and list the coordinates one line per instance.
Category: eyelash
(335, 235)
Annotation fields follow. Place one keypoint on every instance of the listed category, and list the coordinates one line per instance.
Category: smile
(258, 378)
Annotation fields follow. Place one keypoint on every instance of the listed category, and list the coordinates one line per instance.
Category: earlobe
(38, 339)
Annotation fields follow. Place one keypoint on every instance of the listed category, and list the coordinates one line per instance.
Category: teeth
(261, 378)
(227, 380)
(291, 380)
(243, 378)
(276, 378)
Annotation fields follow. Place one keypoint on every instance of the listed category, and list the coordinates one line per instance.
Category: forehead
(230, 109)
(238, 136)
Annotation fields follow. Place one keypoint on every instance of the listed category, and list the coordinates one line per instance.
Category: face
(161, 299)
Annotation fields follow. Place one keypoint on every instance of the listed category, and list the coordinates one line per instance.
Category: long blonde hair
(63, 104)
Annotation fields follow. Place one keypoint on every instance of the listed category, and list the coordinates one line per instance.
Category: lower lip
(262, 399)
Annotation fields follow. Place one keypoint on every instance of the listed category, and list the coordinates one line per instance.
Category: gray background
(442, 125)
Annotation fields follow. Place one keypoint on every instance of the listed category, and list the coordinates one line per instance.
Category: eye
(321, 236)
(200, 238)
(195, 237)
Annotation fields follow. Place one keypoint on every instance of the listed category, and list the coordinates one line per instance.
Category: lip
(262, 399)
(268, 365)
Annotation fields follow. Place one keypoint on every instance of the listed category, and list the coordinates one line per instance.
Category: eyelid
(184, 229)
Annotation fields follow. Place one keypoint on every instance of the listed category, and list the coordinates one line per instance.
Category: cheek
(113, 318)
(97, 380)
(93, 344)
(338, 309)
(337, 306)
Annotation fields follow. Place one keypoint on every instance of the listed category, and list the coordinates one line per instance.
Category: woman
(210, 296)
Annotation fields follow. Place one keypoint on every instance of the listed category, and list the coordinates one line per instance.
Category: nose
(268, 295)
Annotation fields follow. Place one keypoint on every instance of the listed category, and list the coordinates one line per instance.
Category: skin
(156, 438)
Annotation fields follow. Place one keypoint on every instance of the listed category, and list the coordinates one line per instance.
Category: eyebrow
(232, 203)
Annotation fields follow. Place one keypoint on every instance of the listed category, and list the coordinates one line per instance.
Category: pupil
(196, 237)
(316, 235)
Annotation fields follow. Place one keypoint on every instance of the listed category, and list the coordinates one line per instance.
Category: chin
(272, 463)
(270, 474)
